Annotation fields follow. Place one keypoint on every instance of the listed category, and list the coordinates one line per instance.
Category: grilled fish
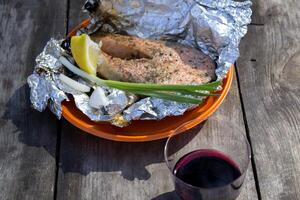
(132, 59)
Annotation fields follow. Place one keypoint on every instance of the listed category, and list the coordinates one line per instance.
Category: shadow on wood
(18, 110)
(81, 152)
(167, 196)
(84, 153)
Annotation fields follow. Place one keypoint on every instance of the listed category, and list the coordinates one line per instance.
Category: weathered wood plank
(94, 168)
(27, 138)
(269, 73)
(231, 111)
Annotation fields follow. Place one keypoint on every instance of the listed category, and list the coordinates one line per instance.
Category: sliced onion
(74, 84)
(98, 98)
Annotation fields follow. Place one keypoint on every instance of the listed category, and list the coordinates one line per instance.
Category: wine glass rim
(176, 132)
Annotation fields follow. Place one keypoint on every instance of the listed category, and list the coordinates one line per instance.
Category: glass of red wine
(209, 164)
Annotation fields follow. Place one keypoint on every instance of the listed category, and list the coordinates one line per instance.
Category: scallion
(178, 93)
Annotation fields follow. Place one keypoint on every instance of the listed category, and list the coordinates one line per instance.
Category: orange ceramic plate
(145, 130)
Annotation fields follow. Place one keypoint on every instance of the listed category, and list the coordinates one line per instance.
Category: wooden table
(43, 158)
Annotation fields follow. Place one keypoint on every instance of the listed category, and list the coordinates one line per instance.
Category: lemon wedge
(86, 53)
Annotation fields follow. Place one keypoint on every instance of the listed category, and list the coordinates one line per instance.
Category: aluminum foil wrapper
(154, 109)
(213, 26)
(43, 82)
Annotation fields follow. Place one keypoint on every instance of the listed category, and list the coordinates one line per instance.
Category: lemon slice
(85, 52)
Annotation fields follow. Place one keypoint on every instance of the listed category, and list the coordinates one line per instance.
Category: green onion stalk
(178, 93)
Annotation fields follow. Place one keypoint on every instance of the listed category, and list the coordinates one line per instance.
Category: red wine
(206, 168)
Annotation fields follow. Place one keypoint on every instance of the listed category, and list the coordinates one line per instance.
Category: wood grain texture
(94, 168)
(269, 73)
(27, 137)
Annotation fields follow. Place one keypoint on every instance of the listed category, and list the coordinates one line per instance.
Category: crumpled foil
(43, 82)
(213, 26)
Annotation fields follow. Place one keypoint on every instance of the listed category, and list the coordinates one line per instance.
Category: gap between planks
(57, 157)
(59, 123)
(256, 181)
(256, 24)
(67, 17)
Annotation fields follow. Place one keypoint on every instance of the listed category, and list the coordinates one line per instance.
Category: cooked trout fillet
(132, 59)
